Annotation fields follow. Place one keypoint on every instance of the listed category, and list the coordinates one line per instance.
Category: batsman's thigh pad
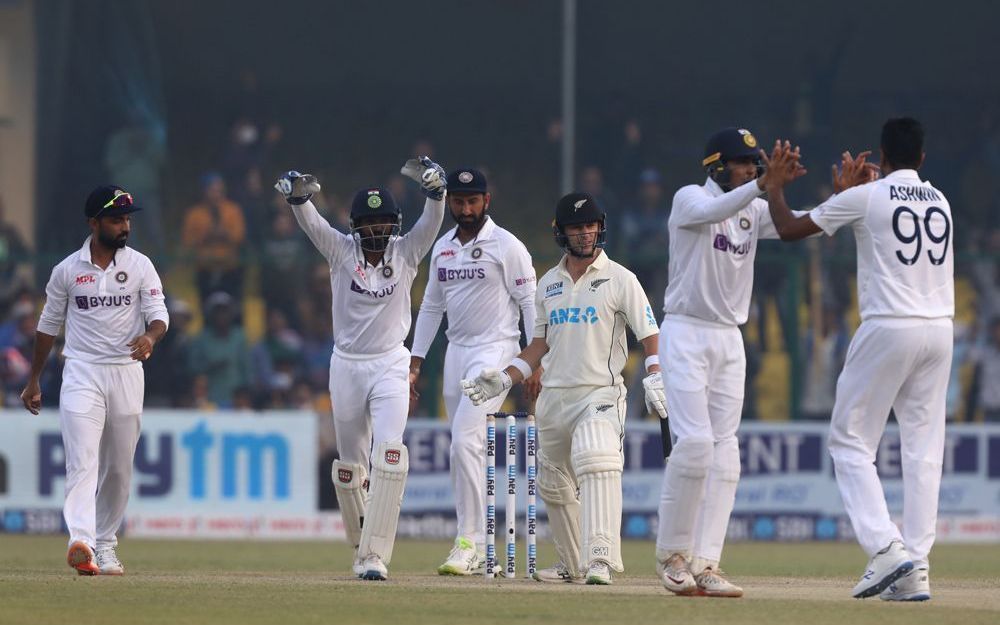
(385, 495)
(559, 494)
(350, 484)
(598, 463)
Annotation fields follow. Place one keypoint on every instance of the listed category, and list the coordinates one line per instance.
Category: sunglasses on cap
(122, 199)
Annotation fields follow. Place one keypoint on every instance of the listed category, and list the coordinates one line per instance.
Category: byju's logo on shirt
(445, 275)
(84, 302)
(560, 316)
(723, 244)
(379, 294)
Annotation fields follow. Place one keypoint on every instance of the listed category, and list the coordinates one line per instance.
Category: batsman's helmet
(726, 145)
(577, 208)
(374, 205)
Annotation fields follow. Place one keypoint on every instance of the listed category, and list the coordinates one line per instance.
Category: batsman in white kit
(481, 277)
(111, 300)
(371, 273)
(582, 306)
(714, 229)
(899, 358)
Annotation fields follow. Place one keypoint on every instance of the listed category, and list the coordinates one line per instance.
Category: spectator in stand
(987, 376)
(645, 236)
(284, 255)
(592, 182)
(13, 256)
(277, 361)
(168, 376)
(986, 276)
(254, 198)
(213, 236)
(134, 157)
(219, 352)
(824, 353)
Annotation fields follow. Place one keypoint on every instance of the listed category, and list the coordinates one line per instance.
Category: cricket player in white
(111, 300)
(900, 357)
(481, 277)
(714, 229)
(582, 306)
(371, 273)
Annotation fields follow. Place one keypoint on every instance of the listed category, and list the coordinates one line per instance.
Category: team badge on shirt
(386, 272)
(744, 223)
(477, 252)
(121, 277)
(596, 283)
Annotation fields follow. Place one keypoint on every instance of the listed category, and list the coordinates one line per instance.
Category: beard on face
(115, 243)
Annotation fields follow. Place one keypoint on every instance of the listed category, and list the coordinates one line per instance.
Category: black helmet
(726, 145)
(577, 208)
(374, 202)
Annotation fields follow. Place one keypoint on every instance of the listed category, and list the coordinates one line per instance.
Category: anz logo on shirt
(559, 316)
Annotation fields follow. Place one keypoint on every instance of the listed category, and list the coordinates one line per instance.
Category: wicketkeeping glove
(297, 188)
(487, 385)
(656, 400)
(428, 174)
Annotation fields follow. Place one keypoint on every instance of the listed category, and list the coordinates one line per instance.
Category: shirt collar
(713, 187)
(599, 263)
(903, 173)
(119, 254)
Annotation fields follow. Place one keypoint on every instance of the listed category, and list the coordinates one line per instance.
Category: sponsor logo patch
(444, 275)
(599, 551)
(523, 281)
(556, 288)
(446, 254)
(345, 475)
(392, 456)
(86, 303)
(596, 283)
(86, 279)
(723, 244)
(559, 316)
(379, 294)
(604, 407)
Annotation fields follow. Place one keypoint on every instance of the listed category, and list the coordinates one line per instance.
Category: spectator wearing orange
(213, 236)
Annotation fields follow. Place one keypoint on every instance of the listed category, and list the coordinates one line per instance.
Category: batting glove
(297, 188)
(487, 385)
(428, 174)
(656, 400)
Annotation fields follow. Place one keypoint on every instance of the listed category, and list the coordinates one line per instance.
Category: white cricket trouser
(704, 372)
(100, 411)
(902, 364)
(370, 397)
(468, 431)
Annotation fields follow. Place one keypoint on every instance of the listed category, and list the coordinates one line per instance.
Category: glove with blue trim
(297, 188)
(428, 174)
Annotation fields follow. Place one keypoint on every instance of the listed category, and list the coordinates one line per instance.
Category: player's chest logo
(446, 274)
(374, 293)
(724, 243)
(560, 316)
(554, 290)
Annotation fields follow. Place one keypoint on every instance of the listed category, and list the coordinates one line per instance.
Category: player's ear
(486, 201)
(923, 156)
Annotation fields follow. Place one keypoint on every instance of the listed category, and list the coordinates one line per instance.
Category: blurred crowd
(249, 296)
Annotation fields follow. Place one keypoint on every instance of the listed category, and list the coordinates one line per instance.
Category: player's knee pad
(350, 483)
(692, 457)
(390, 466)
(554, 485)
(726, 460)
(596, 448)
(558, 492)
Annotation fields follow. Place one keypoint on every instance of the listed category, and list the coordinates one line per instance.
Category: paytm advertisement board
(195, 474)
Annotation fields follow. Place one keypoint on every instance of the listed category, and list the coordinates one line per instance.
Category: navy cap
(109, 201)
(373, 202)
(729, 144)
(466, 180)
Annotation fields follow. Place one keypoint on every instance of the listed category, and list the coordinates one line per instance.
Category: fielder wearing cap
(371, 273)
(111, 300)
(582, 306)
(481, 277)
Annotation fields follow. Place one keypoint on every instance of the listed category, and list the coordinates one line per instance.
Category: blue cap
(466, 180)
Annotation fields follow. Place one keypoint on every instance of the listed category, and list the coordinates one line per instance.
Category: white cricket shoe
(464, 559)
(557, 574)
(712, 582)
(373, 569)
(599, 574)
(914, 586)
(675, 575)
(358, 568)
(108, 562)
(884, 568)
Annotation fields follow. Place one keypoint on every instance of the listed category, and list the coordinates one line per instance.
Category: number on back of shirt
(912, 231)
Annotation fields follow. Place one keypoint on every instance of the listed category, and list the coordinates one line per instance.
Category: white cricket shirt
(482, 286)
(371, 305)
(905, 240)
(713, 243)
(584, 323)
(103, 309)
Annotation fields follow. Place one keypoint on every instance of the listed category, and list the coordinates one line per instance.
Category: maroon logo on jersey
(86, 279)
(392, 456)
(447, 253)
(345, 475)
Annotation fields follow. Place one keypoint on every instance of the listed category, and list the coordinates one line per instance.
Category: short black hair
(903, 142)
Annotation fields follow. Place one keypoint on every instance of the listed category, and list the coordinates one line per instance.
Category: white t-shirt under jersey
(583, 323)
(713, 243)
(371, 305)
(103, 309)
(905, 240)
(483, 287)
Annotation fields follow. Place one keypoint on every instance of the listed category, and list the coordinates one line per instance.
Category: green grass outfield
(289, 583)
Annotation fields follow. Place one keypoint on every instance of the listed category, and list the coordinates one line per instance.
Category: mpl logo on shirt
(88, 278)
(560, 316)
(723, 244)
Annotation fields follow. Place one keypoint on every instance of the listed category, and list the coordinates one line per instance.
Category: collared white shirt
(371, 305)
(483, 286)
(713, 243)
(103, 309)
(583, 322)
(905, 240)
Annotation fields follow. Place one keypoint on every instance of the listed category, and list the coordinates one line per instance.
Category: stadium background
(188, 103)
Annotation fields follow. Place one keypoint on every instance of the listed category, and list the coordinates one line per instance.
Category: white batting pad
(350, 484)
(385, 495)
(559, 494)
(597, 460)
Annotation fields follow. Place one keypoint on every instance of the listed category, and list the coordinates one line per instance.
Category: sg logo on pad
(345, 475)
(392, 456)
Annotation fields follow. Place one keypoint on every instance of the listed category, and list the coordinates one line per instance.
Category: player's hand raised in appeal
(853, 171)
(783, 165)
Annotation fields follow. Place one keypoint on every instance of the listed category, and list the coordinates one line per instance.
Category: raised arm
(298, 190)
(693, 208)
(433, 183)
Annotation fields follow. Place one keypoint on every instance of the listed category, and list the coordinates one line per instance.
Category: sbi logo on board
(228, 465)
(560, 316)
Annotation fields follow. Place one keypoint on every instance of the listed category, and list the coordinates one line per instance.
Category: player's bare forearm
(651, 346)
(156, 329)
(789, 227)
(416, 362)
(532, 354)
(43, 346)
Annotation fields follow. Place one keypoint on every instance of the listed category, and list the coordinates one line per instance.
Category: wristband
(522, 366)
(652, 360)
